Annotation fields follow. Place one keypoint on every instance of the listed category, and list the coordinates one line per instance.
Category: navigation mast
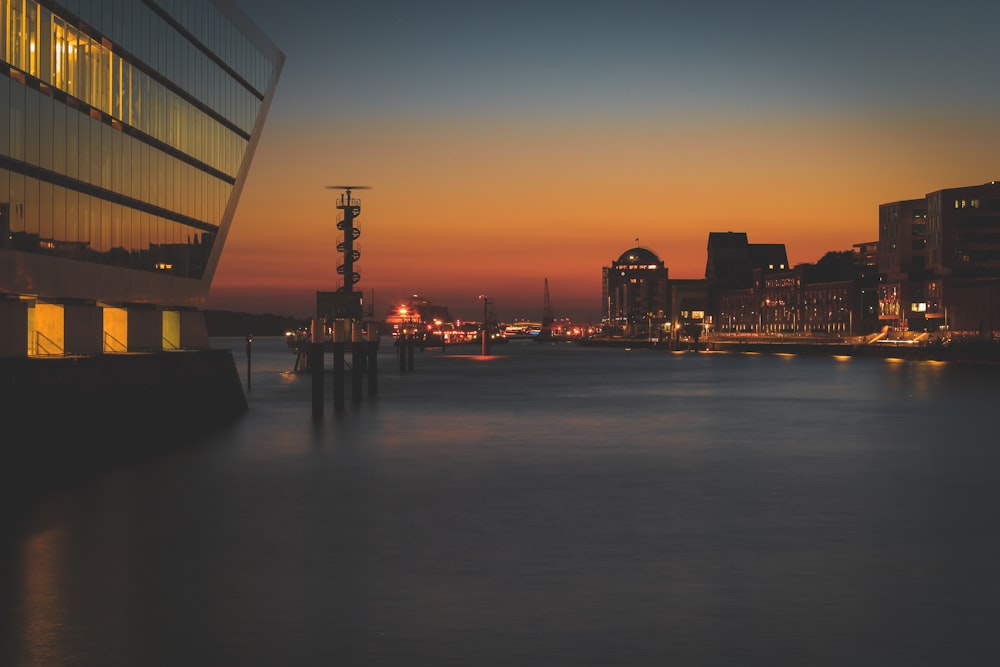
(351, 210)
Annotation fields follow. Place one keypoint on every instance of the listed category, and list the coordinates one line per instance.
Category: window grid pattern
(104, 160)
(49, 48)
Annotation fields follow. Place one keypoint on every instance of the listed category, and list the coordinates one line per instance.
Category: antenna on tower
(347, 190)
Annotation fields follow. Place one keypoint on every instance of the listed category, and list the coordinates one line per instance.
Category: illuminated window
(92, 72)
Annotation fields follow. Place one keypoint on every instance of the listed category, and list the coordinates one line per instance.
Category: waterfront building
(963, 251)
(688, 308)
(939, 261)
(838, 292)
(780, 302)
(866, 278)
(635, 293)
(973, 309)
(736, 311)
(902, 262)
(934, 267)
(735, 271)
(834, 295)
(127, 129)
(827, 306)
(963, 231)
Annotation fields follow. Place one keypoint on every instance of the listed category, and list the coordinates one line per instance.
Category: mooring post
(249, 343)
(316, 368)
(338, 376)
(486, 318)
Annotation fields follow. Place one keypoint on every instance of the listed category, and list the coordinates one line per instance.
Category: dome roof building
(635, 291)
(639, 255)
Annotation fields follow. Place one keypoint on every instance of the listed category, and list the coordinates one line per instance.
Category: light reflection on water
(557, 505)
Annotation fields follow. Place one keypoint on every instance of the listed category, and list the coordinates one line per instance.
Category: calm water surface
(548, 505)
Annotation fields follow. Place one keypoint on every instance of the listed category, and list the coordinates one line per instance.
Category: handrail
(59, 350)
(108, 344)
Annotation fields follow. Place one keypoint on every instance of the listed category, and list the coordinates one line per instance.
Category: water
(549, 505)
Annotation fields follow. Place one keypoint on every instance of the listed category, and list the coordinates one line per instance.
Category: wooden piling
(357, 370)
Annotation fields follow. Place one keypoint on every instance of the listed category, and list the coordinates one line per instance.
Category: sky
(509, 145)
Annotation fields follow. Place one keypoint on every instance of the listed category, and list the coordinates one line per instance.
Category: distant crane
(547, 316)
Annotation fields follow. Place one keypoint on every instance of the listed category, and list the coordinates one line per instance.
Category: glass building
(127, 129)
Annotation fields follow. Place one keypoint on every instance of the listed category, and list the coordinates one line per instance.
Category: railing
(45, 346)
(809, 338)
(112, 344)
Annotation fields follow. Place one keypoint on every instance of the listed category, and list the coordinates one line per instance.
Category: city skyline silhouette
(508, 144)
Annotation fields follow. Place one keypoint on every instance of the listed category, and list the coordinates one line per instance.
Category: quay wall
(965, 351)
(972, 352)
(65, 411)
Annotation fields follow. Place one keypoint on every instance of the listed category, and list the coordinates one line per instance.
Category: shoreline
(972, 351)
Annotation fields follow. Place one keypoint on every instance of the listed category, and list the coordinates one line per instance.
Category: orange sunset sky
(510, 144)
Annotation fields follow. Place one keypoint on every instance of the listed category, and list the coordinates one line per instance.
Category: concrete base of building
(66, 413)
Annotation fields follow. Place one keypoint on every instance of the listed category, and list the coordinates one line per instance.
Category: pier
(337, 327)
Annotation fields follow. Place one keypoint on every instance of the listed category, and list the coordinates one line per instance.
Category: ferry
(522, 330)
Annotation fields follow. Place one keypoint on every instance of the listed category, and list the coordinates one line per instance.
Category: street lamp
(850, 321)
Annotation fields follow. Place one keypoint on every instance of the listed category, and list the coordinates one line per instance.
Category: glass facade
(126, 127)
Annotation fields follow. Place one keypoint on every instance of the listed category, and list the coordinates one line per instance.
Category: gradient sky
(510, 143)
